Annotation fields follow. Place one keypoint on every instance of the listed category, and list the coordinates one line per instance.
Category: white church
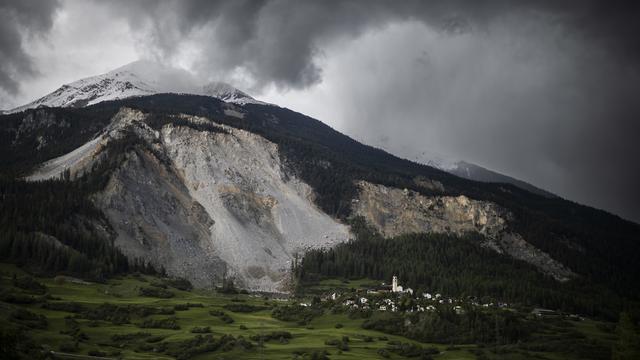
(398, 288)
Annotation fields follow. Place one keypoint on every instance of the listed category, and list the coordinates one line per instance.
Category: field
(137, 336)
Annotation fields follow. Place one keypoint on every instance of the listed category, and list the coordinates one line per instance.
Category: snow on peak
(228, 93)
(138, 78)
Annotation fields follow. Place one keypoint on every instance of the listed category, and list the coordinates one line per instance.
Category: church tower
(394, 284)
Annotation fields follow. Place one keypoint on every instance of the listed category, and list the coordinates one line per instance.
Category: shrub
(29, 319)
(130, 336)
(156, 292)
(222, 316)
(169, 323)
(367, 339)
(68, 347)
(274, 335)
(301, 314)
(179, 283)
(332, 342)
(117, 315)
(244, 308)
(338, 326)
(384, 353)
(154, 339)
(71, 307)
(201, 330)
(18, 298)
(180, 307)
(29, 284)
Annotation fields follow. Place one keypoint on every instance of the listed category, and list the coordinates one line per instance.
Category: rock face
(205, 204)
(394, 212)
(261, 216)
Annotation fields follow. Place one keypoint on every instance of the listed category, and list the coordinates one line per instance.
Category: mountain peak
(139, 78)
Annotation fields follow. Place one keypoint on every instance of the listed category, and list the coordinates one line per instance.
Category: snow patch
(140, 78)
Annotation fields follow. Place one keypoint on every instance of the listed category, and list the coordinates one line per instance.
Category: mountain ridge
(139, 78)
(143, 78)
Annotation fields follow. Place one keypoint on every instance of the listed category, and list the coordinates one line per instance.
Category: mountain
(469, 171)
(209, 190)
(479, 173)
(138, 78)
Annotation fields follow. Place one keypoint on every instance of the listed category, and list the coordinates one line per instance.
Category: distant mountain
(138, 78)
(478, 173)
(466, 170)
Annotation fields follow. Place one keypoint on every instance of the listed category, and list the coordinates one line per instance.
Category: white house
(409, 291)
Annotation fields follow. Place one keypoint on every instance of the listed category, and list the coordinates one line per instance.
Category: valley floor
(113, 320)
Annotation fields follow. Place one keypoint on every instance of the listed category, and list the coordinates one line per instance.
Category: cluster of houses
(394, 298)
(386, 298)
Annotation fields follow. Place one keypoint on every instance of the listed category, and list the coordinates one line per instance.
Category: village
(396, 298)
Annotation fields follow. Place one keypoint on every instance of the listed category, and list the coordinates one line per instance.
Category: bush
(222, 316)
(301, 314)
(169, 323)
(244, 308)
(274, 335)
(29, 284)
(18, 298)
(68, 347)
(201, 330)
(156, 292)
(71, 307)
(179, 283)
(117, 315)
(29, 319)
(384, 353)
(180, 307)
(338, 326)
(154, 339)
(130, 336)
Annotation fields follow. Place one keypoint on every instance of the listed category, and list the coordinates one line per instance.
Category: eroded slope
(394, 212)
(204, 204)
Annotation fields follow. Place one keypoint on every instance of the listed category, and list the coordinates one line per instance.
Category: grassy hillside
(114, 320)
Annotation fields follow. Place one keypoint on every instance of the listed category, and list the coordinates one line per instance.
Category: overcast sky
(546, 91)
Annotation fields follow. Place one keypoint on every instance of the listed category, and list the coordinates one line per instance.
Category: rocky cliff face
(394, 212)
(261, 216)
(203, 204)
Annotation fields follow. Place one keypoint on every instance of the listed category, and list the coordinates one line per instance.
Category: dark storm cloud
(542, 90)
(277, 41)
(20, 19)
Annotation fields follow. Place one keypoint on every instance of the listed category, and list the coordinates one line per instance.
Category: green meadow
(132, 326)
